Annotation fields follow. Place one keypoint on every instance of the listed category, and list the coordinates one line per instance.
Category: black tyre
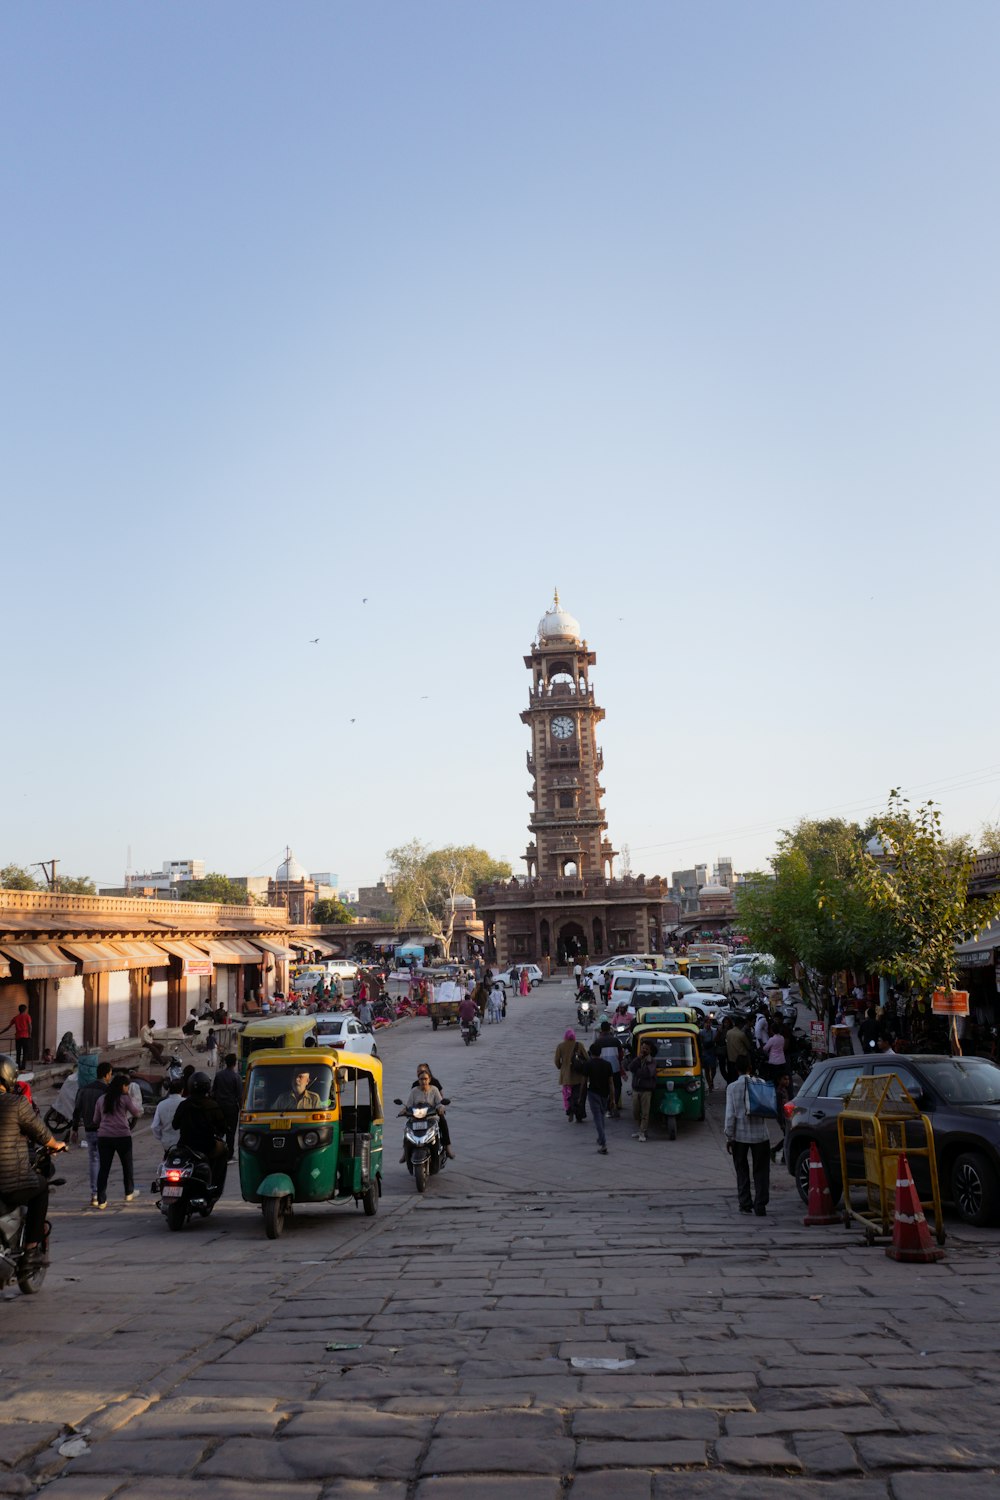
(57, 1123)
(30, 1282)
(434, 1023)
(374, 1050)
(274, 1217)
(422, 1175)
(671, 1127)
(974, 1189)
(467, 1038)
(369, 1201)
(176, 1216)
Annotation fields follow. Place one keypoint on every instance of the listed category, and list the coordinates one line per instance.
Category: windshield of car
(964, 1080)
(675, 1051)
(681, 985)
(703, 971)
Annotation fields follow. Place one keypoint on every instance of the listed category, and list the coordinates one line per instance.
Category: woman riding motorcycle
(19, 1182)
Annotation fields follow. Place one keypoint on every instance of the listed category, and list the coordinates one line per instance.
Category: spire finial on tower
(555, 601)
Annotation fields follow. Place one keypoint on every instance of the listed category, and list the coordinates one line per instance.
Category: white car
(535, 974)
(344, 1032)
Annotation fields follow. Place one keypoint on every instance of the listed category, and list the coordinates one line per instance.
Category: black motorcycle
(422, 1144)
(14, 1262)
(586, 1010)
(185, 1186)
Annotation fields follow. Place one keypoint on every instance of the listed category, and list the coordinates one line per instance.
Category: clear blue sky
(690, 309)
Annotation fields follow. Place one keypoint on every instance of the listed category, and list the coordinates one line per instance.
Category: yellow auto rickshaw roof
(278, 1025)
(665, 1028)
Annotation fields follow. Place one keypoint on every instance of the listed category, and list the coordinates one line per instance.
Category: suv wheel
(974, 1189)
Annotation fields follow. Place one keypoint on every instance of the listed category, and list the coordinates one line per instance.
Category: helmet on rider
(8, 1072)
(199, 1084)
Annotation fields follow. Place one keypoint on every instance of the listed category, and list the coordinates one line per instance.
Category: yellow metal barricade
(881, 1122)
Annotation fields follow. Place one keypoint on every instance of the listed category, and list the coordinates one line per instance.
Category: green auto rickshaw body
(680, 1083)
(311, 1130)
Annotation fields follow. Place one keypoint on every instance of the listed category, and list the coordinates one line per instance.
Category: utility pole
(48, 869)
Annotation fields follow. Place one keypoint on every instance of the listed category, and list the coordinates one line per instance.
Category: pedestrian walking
(709, 1056)
(83, 1114)
(748, 1143)
(643, 1071)
(571, 1060)
(774, 1052)
(599, 1093)
(22, 1036)
(613, 1053)
(227, 1091)
(524, 983)
(114, 1113)
(515, 978)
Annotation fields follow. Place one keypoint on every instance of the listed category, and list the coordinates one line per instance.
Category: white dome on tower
(290, 870)
(557, 625)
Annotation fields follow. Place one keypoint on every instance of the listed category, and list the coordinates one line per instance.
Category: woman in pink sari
(524, 987)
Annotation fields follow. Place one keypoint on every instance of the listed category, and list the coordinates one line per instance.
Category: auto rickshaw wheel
(369, 1200)
(434, 1023)
(671, 1127)
(274, 1217)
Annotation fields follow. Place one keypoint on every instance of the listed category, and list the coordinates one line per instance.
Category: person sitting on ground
(300, 1095)
(425, 1092)
(147, 1040)
(67, 1050)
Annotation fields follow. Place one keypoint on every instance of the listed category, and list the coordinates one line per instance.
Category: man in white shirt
(747, 1137)
(760, 1029)
(163, 1120)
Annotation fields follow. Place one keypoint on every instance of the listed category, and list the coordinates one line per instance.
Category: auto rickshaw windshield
(675, 1051)
(283, 1088)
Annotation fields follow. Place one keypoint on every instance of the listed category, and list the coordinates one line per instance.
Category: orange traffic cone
(820, 1197)
(911, 1239)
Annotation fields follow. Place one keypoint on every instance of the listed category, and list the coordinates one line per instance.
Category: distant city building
(158, 885)
(374, 902)
(325, 877)
(685, 885)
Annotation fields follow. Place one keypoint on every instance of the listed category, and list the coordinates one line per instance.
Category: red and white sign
(198, 966)
(950, 1002)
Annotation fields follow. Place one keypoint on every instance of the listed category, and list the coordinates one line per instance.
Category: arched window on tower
(570, 868)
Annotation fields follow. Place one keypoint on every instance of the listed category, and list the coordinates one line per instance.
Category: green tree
(989, 839)
(918, 883)
(216, 887)
(16, 878)
(812, 914)
(332, 912)
(426, 883)
(76, 885)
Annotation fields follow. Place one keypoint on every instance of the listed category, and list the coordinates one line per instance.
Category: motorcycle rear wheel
(176, 1216)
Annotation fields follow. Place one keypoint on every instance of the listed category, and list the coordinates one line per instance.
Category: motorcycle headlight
(250, 1140)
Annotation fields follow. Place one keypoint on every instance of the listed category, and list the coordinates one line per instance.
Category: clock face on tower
(562, 727)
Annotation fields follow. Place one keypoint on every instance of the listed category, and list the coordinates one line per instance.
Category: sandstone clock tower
(567, 821)
(570, 903)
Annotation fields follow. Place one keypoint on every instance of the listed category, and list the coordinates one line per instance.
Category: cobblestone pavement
(445, 1348)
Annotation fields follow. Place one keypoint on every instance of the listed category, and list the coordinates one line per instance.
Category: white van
(624, 981)
(709, 972)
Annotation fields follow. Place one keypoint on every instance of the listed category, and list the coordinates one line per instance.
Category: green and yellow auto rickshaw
(272, 1032)
(680, 1083)
(310, 1131)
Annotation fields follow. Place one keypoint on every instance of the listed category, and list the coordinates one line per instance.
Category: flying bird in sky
(315, 641)
(365, 599)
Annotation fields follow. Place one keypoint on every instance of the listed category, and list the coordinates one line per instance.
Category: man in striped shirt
(747, 1137)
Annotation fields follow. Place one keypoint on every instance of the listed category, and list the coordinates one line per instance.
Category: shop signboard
(201, 966)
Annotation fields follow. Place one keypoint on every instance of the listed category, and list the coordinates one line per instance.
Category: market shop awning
(96, 958)
(4, 968)
(979, 952)
(277, 950)
(142, 955)
(230, 951)
(300, 946)
(40, 960)
(177, 948)
(325, 950)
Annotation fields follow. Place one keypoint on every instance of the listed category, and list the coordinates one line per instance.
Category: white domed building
(293, 887)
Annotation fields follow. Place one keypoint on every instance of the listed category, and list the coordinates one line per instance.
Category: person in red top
(22, 1035)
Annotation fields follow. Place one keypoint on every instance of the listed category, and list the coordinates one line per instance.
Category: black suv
(961, 1095)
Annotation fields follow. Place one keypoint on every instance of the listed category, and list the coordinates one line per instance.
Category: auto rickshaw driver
(300, 1095)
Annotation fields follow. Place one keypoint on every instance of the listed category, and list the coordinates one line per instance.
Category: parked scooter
(185, 1187)
(14, 1262)
(422, 1144)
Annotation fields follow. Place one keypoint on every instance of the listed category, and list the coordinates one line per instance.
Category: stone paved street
(754, 1357)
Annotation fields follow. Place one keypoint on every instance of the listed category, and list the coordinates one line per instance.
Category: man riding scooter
(19, 1182)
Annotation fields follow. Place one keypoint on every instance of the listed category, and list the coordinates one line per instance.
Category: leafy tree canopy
(216, 887)
(425, 883)
(16, 878)
(918, 882)
(332, 911)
